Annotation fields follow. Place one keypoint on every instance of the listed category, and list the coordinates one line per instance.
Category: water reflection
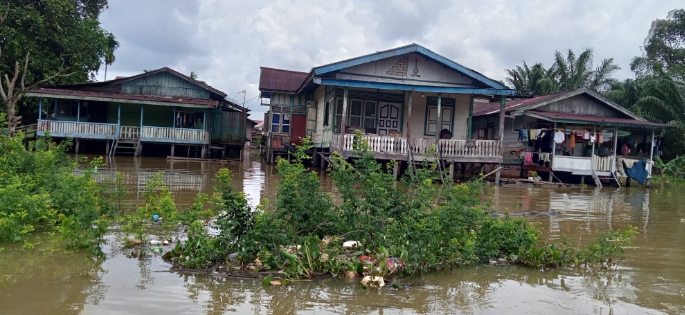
(649, 281)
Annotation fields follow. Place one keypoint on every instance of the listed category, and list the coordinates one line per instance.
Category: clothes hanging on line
(528, 157)
(523, 135)
(586, 135)
(572, 141)
(559, 137)
(600, 138)
(533, 134)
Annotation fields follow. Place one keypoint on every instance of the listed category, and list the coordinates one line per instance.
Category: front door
(388, 118)
(298, 129)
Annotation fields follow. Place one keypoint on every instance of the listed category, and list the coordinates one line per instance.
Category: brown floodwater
(650, 281)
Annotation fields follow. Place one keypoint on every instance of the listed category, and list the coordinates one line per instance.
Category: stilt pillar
(76, 147)
(107, 144)
(497, 174)
(173, 148)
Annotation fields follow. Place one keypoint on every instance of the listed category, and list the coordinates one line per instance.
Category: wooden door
(388, 118)
(298, 128)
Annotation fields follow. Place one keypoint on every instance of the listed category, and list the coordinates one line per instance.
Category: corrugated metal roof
(120, 80)
(493, 108)
(117, 96)
(564, 117)
(272, 79)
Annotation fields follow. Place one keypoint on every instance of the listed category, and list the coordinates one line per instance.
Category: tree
(663, 100)
(57, 41)
(664, 50)
(625, 93)
(567, 73)
(112, 45)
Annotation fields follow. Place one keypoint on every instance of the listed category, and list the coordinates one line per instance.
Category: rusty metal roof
(280, 80)
(593, 119)
(493, 108)
(123, 98)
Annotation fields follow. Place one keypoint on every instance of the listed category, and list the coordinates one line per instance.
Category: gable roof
(591, 119)
(145, 74)
(535, 102)
(411, 48)
(280, 80)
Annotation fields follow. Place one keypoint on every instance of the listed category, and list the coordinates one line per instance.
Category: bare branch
(56, 75)
(26, 69)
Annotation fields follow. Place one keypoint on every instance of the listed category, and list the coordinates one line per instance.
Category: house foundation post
(173, 148)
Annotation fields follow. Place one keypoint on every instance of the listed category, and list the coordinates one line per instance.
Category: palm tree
(663, 100)
(567, 73)
(112, 45)
(625, 93)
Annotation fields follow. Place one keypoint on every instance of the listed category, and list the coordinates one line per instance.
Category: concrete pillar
(203, 152)
(396, 169)
(76, 147)
(107, 144)
(344, 120)
(173, 148)
(452, 171)
(497, 174)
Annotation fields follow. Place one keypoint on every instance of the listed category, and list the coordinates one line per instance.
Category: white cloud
(226, 42)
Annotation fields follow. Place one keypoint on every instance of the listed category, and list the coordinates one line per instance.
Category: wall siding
(418, 115)
(164, 84)
(581, 105)
(402, 68)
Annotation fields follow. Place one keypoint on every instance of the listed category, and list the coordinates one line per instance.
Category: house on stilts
(163, 109)
(405, 100)
(569, 134)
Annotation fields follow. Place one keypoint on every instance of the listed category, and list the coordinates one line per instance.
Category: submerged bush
(40, 191)
(420, 223)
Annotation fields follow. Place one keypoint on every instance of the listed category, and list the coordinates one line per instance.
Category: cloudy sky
(226, 42)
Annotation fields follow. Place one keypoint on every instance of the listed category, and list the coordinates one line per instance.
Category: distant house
(577, 132)
(402, 99)
(162, 107)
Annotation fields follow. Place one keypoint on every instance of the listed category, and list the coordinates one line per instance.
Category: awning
(595, 120)
(121, 98)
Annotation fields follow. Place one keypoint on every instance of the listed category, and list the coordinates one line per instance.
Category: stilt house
(405, 100)
(156, 107)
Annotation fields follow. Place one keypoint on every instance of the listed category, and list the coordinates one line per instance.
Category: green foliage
(664, 49)
(568, 72)
(41, 191)
(158, 201)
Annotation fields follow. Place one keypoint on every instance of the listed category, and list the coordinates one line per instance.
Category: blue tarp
(638, 172)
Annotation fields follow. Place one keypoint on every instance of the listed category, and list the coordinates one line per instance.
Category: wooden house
(162, 107)
(402, 99)
(577, 132)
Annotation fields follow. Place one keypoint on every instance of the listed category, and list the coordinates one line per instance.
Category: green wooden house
(161, 106)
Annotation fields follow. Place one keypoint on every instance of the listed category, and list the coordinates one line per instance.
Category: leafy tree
(664, 48)
(530, 79)
(56, 41)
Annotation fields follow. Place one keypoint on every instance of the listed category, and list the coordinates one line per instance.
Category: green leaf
(267, 280)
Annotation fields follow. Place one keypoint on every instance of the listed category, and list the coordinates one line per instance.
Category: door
(298, 128)
(388, 118)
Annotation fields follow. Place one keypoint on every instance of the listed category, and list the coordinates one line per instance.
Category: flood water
(651, 279)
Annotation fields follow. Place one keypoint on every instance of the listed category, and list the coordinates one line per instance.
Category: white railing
(571, 163)
(168, 133)
(129, 132)
(421, 146)
(77, 129)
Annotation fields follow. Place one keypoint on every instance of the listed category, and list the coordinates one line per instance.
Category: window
(356, 110)
(338, 112)
(433, 126)
(325, 114)
(191, 120)
(280, 123)
(370, 115)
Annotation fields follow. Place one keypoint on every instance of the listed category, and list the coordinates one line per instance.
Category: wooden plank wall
(164, 84)
(581, 105)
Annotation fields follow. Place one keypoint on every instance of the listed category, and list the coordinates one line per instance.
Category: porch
(399, 148)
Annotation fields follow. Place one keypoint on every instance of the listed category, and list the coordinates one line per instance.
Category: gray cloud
(225, 42)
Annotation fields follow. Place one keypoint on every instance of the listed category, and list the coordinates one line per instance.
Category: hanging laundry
(572, 141)
(579, 133)
(600, 138)
(533, 134)
(586, 135)
(523, 135)
(625, 150)
(528, 158)
(559, 137)
(536, 157)
(593, 138)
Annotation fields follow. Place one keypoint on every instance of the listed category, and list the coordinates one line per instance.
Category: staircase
(128, 146)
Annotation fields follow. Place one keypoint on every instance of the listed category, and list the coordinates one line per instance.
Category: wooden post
(648, 182)
(54, 111)
(204, 120)
(396, 169)
(78, 110)
(592, 154)
(174, 123)
(203, 152)
(118, 118)
(410, 163)
(77, 145)
(615, 163)
(437, 130)
(343, 120)
(107, 147)
(554, 150)
(173, 148)
(141, 115)
(452, 171)
(503, 102)
(40, 108)
(470, 130)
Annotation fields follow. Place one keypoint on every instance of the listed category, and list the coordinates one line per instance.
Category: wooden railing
(77, 129)
(603, 164)
(129, 132)
(571, 163)
(167, 134)
(422, 146)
